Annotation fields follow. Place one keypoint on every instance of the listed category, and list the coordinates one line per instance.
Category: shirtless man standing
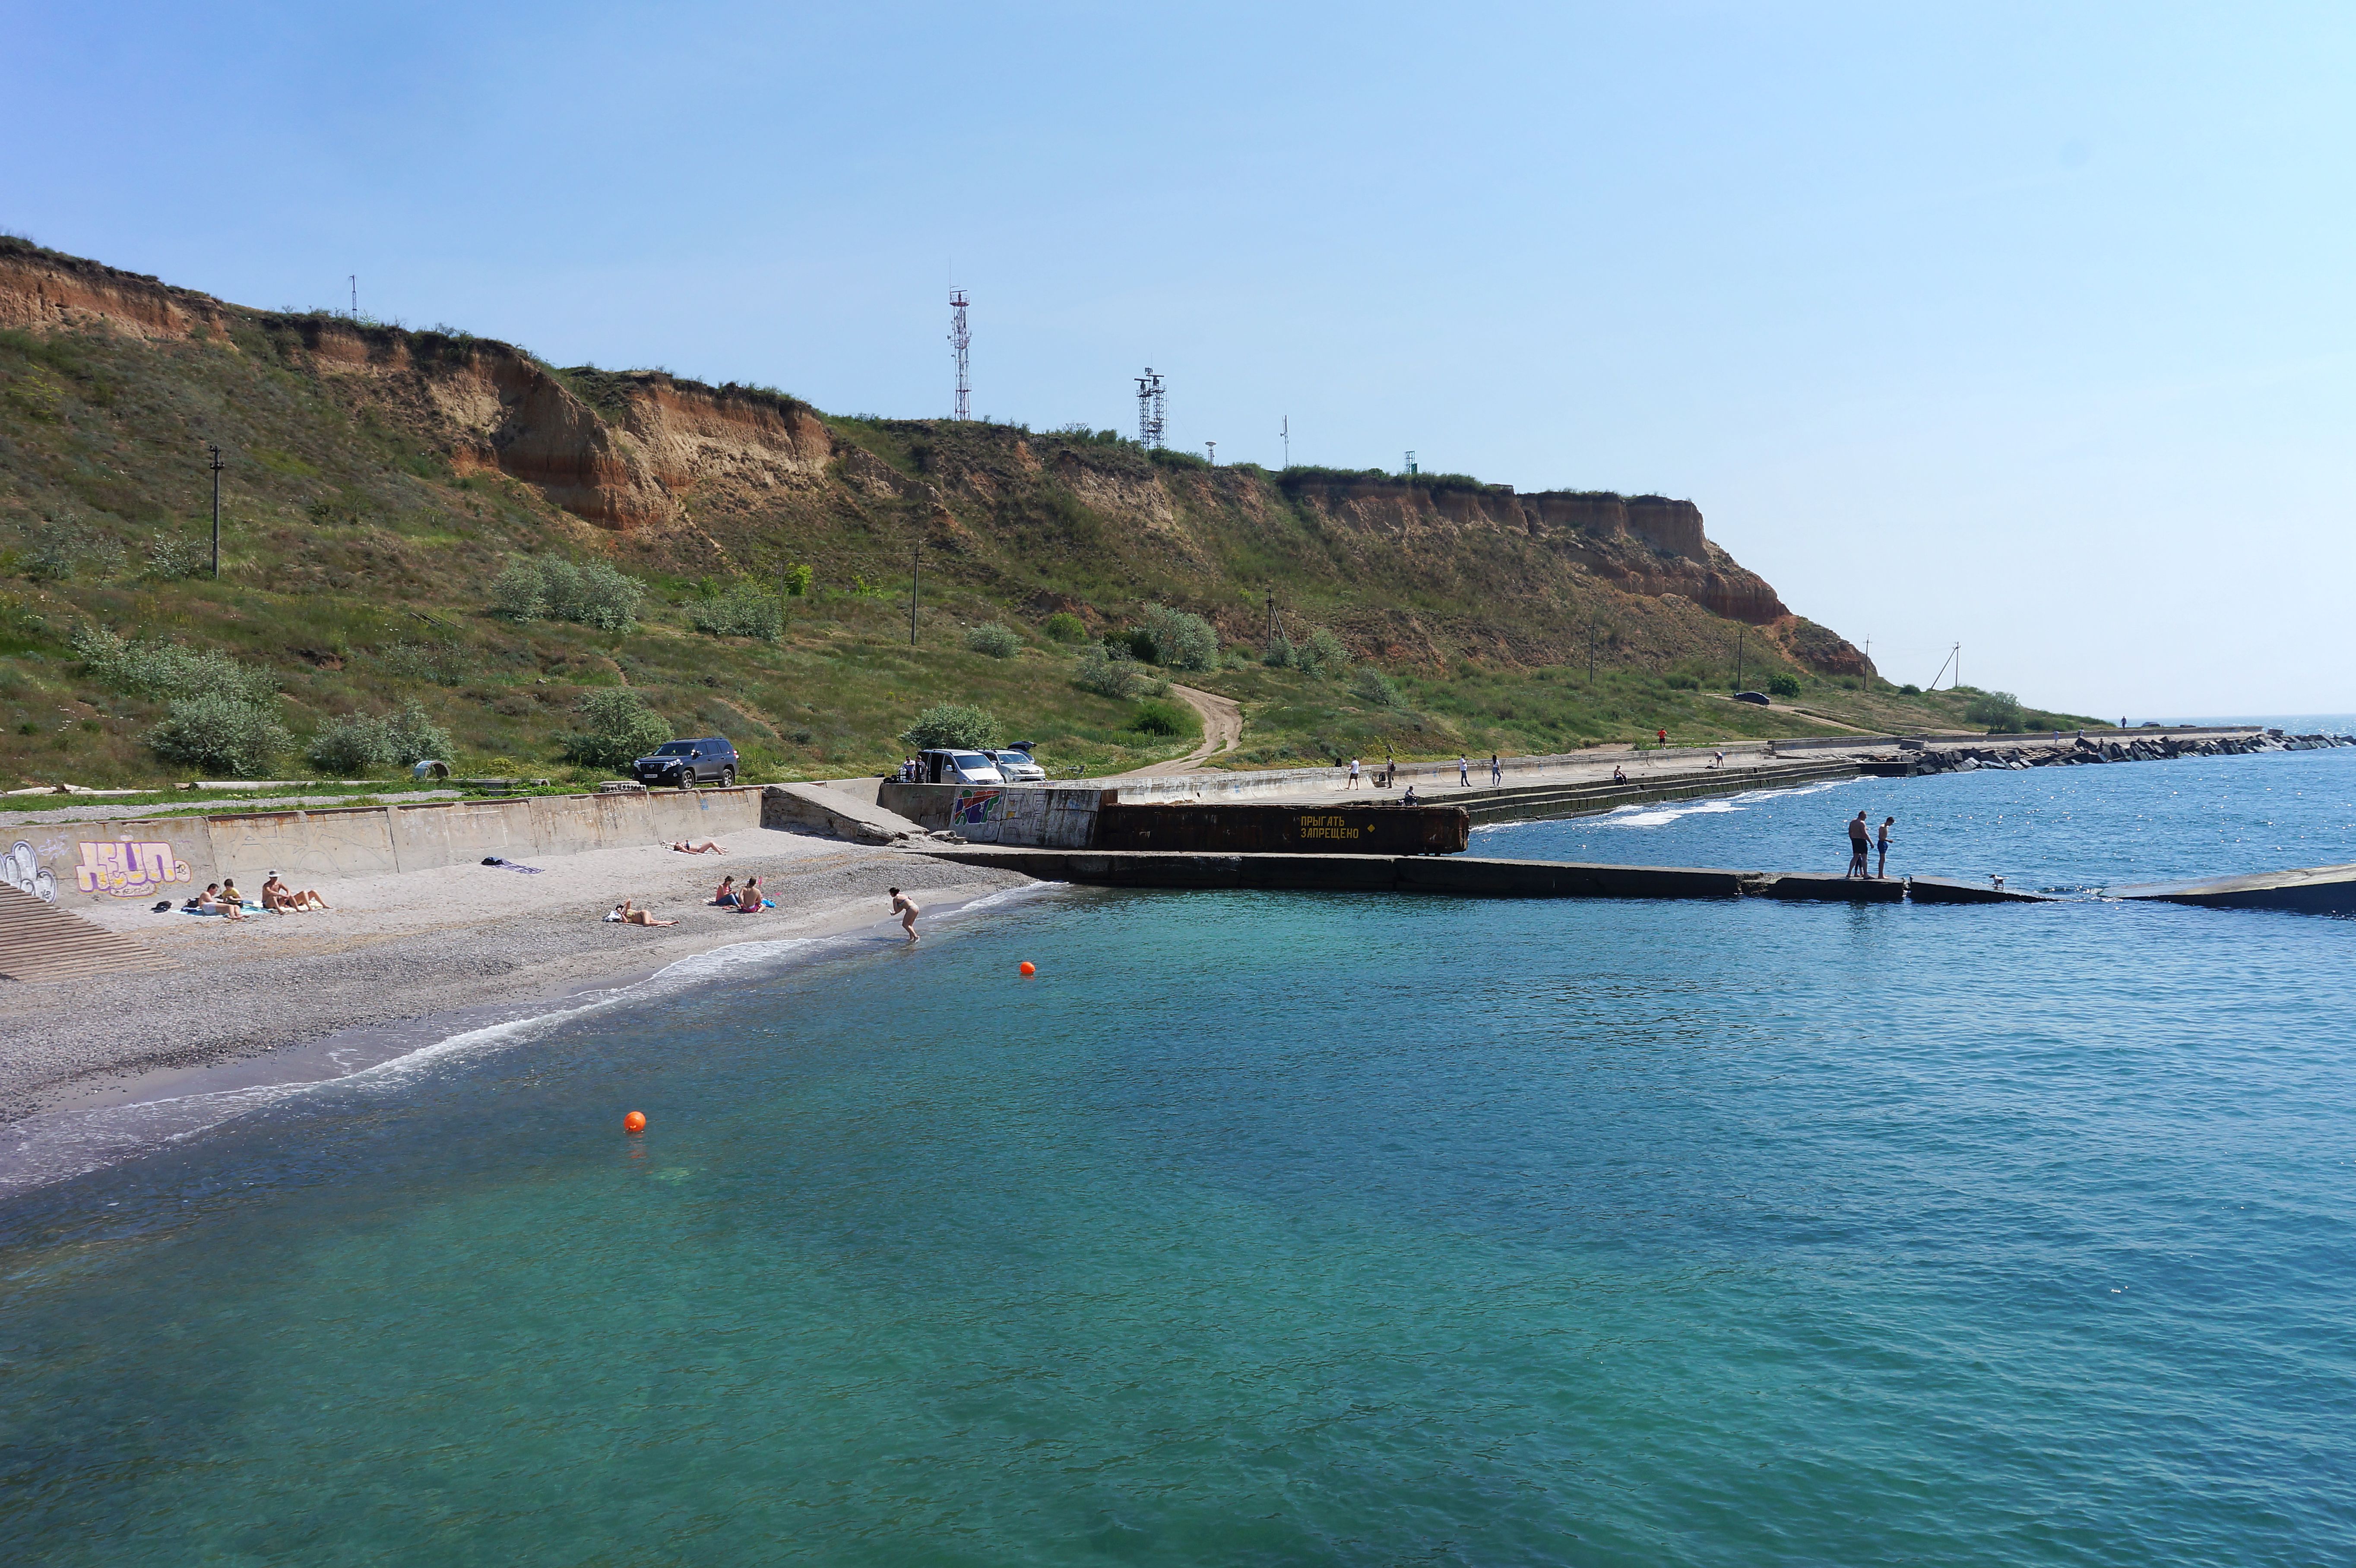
(905, 908)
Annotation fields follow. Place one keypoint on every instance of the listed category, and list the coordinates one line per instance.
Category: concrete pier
(1460, 876)
(2314, 890)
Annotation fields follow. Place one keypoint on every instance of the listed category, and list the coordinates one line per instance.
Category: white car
(946, 766)
(1016, 767)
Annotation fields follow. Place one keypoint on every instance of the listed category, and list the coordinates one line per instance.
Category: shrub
(593, 593)
(1320, 653)
(217, 732)
(1678, 680)
(352, 744)
(1176, 639)
(999, 642)
(952, 724)
(168, 670)
(1155, 717)
(1910, 689)
(1062, 626)
(411, 736)
(616, 728)
(1105, 674)
(1783, 685)
(1280, 653)
(443, 663)
(1376, 687)
(1998, 710)
(742, 610)
(175, 555)
(797, 581)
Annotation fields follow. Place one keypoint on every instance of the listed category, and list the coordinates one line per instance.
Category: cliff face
(693, 476)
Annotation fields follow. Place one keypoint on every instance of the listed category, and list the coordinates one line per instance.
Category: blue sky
(2026, 327)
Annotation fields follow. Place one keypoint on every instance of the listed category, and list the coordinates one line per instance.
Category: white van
(957, 768)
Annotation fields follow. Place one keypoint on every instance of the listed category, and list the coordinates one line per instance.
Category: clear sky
(2022, 325)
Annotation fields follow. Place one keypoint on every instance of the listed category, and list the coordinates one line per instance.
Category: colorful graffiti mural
(973, 807)
(21, 869)
(125, 869)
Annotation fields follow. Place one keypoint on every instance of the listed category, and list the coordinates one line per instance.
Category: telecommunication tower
(1152, 409)
(959, 338)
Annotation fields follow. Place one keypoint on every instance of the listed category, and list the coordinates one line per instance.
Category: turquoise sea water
(1276, 1229)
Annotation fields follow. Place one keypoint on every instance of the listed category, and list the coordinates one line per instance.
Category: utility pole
(1287, 433)
(1271, 613)
(217, 473)
(915, 581)
(1590, 653)
(355, 295)
(1738, 658)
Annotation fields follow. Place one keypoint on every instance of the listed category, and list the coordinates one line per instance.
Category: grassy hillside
(364, 531)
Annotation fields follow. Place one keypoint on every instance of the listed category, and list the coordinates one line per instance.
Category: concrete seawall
(172, 856)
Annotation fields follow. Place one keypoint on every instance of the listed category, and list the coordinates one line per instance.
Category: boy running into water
(905, 908)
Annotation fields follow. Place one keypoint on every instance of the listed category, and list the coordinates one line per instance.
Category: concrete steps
(43, 945)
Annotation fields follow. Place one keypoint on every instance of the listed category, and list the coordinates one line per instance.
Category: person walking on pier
(1463, 773)
(1860, 839)
(1496, 771)
(1882, 842)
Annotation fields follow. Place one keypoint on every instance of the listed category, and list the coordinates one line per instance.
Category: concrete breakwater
(1925, 757)
(1462, 876)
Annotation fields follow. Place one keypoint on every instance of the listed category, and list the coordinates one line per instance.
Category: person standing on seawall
(1860, 839)
(1496, 771)
(1882, 842)
(1463, 773)
(1353, 773)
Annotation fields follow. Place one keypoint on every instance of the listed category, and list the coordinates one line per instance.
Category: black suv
(687, 763)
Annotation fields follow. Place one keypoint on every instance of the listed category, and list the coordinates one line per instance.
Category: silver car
(1016, 767)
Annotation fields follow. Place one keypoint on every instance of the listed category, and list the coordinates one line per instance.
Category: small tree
(1998, 710)
(411, 736)
(1062, 626)
(1781, 684)
(616, 728)
(1376, 687)
(1280, 653)
(1320, 653)
(1178, 640)
(953, 725)
(1099, 670)
(997, 642)
(741, 611)
(216, 732)
(797, 581)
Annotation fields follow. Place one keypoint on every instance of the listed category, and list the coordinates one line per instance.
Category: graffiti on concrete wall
(125, 869)
(21, 869)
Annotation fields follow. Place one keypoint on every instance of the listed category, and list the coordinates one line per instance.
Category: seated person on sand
(724, 895)
(748, 897)
(630, 914)
(707, 848)
(212, 902)
(277, 895)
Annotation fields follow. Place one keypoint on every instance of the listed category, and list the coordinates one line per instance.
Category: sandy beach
(406, 947)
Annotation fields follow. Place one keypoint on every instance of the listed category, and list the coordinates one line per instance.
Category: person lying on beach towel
(511, 866)
(707, 848)
(628, 913)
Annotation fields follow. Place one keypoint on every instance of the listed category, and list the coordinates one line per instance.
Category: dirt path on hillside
(1223, 729)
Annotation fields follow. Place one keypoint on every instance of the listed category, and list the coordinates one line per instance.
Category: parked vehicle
(1758, 696)
(684, 764)
(1016, 767)
(957, 767)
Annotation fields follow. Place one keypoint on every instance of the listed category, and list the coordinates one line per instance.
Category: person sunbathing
(724, 895)
(213, 902)
(277, 895)
(748, 897)
(630, 913)
(708, 847)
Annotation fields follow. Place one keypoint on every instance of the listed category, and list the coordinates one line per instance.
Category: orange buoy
(635, 1122)
(1029, 968)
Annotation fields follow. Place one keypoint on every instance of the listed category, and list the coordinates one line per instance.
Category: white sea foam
(1660, 813)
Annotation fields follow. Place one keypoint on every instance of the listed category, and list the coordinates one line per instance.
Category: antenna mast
(1287, 433)
(959, 340)
(1153, 409)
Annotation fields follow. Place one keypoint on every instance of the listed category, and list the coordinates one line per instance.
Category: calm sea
(1290, 1228)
